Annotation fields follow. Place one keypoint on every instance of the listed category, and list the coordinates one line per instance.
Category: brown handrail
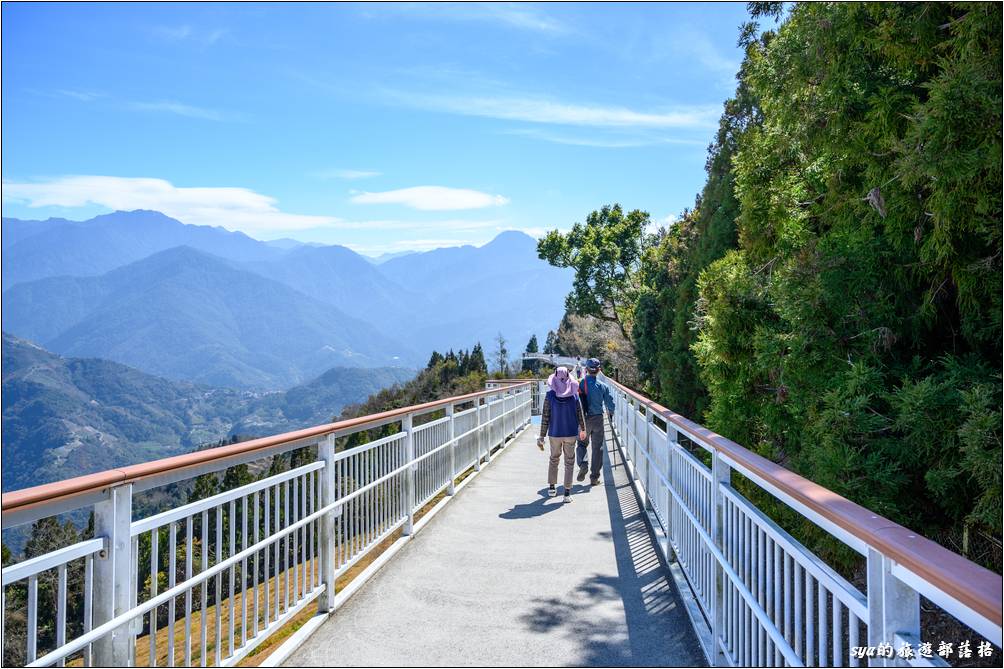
(976, 587)
(79, 485)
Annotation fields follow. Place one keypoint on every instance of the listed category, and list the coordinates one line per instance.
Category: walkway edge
(290, 645)
(661, 540)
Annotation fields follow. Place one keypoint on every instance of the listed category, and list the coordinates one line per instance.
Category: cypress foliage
(833, 300)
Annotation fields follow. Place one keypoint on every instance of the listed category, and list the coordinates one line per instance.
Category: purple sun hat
(561, 383)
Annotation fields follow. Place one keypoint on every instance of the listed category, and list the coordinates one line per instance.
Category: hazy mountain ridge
(39, 249)
(187, 315)
(65, 417)
(262, 314)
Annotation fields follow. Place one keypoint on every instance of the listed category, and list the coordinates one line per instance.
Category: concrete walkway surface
(505, 576)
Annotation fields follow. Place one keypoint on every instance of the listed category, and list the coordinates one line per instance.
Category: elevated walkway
(506, 576)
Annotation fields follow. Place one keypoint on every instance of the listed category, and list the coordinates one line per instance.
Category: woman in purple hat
(562, 421)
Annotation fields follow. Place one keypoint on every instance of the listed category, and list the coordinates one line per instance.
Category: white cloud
(600, 140)
(233, 208)
(188, 33)
(510, 15)
(449, 224)
(433, 198)
(83, 96)
(171, 107)
(518, 16)
(541, 110)
(346, 174)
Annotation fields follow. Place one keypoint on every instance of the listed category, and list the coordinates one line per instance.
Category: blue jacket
(595, 395)
(561, 416)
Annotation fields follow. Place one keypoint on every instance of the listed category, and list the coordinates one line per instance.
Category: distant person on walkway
(561, 420)
(595, 396)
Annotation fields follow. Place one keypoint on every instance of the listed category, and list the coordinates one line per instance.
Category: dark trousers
(594, 437)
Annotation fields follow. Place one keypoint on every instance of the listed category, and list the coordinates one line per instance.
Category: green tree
(477, 362)
(861, 312)
(532, 347)
(606, 255)
(551, 343)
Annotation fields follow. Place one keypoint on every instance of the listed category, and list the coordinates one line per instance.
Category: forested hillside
(64, 417)
(833, 298)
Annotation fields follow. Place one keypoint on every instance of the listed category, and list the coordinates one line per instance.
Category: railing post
(489, 442)
(721, 474)
(113, 577)
(477, 433)
(648, 458)
(326, 453)
(893, 608)
(409, 485)
(672, 443)
(451, 435)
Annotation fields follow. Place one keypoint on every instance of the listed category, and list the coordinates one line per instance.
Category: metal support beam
(113, 577)
(721, 474)
(326, 453)
(893, 608)
(407, 426)
(451, 489)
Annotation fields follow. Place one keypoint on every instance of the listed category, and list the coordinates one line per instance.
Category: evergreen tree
(477, 362)
(532, 347)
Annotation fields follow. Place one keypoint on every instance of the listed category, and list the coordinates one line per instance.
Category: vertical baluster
(32, 640)
(231, 595)
(797, 569)
(88, 604)
(154, 573)
(219, 585)
(852, 636)
(257, 514)
(277, 524)
(266, 553)
(838, 632)
(244, 570)
(761, 599)
(809, 622)
(788, 585)
(822, 625)
(778, 587)
(308, 492)
(172, 570)
(61, 610)
(295, 518)
(304, 532)
(189, 559)
(204, 593)
(287, 571)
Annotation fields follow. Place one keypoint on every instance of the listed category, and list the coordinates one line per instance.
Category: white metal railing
(760, 597)
(207, 582)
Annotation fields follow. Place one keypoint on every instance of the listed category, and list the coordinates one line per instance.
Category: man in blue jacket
(595, 396)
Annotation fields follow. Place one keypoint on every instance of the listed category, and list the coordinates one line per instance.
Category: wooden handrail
(80, 485)
(967, 582)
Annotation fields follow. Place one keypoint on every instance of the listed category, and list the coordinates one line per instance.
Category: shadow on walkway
(658, 631)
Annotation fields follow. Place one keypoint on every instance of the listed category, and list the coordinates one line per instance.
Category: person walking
(594, 396)
(561, 420)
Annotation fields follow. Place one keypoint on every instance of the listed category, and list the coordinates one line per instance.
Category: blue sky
(381, 127)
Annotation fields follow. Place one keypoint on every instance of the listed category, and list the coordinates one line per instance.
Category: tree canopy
(833, 298)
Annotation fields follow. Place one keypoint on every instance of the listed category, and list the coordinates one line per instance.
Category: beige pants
(561, 445)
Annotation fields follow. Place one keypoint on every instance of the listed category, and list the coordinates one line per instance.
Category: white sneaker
(551, 491)
(568, 498)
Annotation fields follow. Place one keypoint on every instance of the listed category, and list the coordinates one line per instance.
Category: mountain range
(207, 305)
(64, 417)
